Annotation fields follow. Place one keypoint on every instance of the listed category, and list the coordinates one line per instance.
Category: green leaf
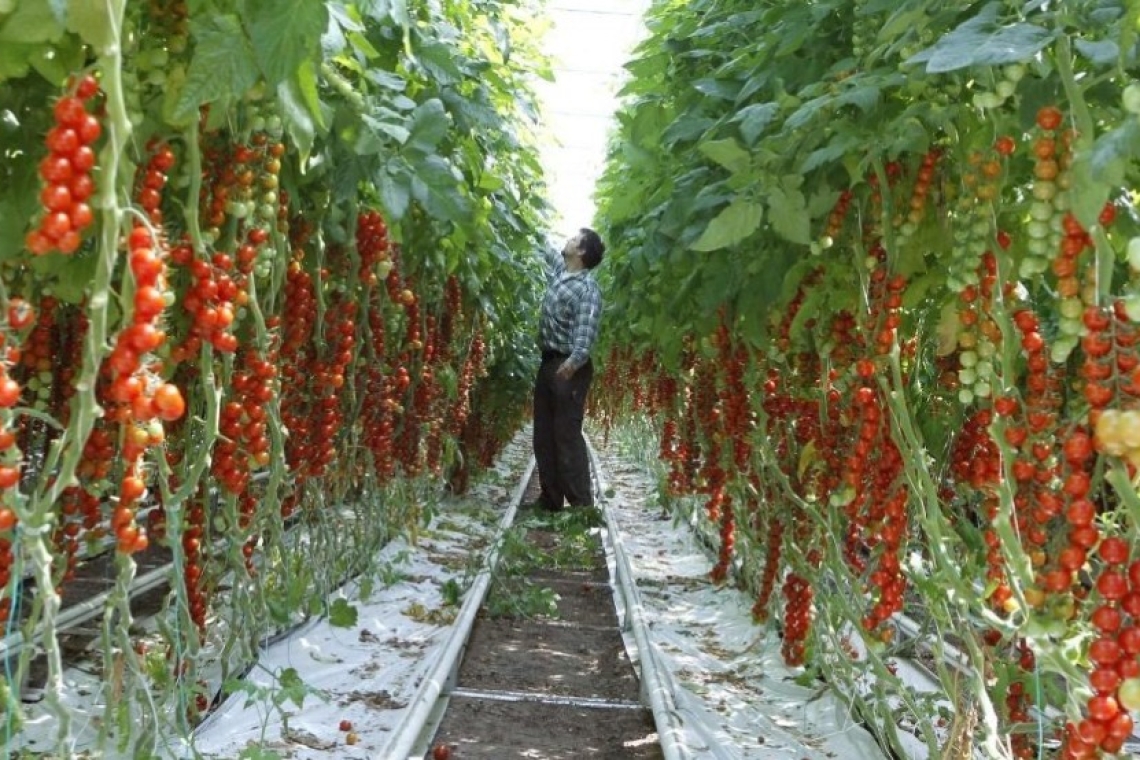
(717, 88)
(1100, 52)
(292, 688)
(284, 33)
(223, 65)
(754, 119)
(727, 153)
(307, 88)
(71, 274)
(440, 62)
(14, 58)
(31, 21)
(342, 614)
(788, 215)
(371, 143)
(436, 186)
(387, 80)
(296, 115)
(398, 9)
(737, 221)
(92, 22)
(395, 194)
(14, 222)
(980, 42)
(688, 127)
(361, 44)
(430, 123)
(1101, 169)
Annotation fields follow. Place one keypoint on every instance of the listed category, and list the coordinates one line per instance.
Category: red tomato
(1049, 117)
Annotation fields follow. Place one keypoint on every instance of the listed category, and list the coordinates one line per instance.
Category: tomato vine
(917, 220)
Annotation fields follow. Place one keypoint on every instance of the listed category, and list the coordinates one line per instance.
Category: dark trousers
(559, 448)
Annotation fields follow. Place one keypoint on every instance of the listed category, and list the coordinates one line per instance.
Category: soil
(551, 687)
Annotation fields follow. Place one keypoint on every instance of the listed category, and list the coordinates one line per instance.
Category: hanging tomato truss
(876, 278)
(264, 283)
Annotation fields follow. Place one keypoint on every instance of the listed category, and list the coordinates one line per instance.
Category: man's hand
(565, 370)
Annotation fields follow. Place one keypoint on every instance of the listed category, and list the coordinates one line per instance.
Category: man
(568, 326)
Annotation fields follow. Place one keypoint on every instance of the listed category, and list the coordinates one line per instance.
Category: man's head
(588, 245)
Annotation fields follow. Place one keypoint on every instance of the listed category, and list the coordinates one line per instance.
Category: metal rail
(412, 735)
(657, 686)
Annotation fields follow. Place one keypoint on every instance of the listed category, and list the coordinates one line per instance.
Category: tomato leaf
(297, 116)
(727, 153)
(371, 142)
(788, 213)
(30, 22)
(1100, 52)
(429, 124)
(395, 193)
(15, 57)
(285, 33)
(224, 65)
(92, 22)
(737, 221)
(754, 119)
(13, 224)
(342, 614)
(688, 127)
(982, 41)
(436, 185)
(717, 88)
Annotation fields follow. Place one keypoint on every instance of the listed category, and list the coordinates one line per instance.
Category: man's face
(573, 246)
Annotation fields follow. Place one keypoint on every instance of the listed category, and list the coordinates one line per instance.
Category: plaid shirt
(571, 313)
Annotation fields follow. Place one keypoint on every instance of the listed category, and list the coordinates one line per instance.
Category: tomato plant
(228, 303)
(931, 283)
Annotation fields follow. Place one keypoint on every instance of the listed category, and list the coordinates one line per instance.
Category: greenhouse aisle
(589, 42)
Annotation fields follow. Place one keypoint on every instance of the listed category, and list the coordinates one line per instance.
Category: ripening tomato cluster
(1114, 655)
(194, 567)
(473, 368)
(797, 618)
(1111, 371)
(920, 194)
(142, 400)
(329, 379)
(211, 301)
(19, 317)
(300, 319)
(244, 442)
(66, 172)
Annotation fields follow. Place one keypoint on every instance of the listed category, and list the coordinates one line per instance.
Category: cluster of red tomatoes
(66, 172)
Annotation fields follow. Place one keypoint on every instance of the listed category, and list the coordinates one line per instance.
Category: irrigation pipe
(407, 732)
(75, 614)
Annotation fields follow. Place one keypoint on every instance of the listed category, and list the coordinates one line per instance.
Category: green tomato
(1128, 694)
(1134, 253)
(1131, 98)
(1014, 72)
(1132, 306)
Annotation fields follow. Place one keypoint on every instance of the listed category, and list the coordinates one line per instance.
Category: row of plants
(265, 284)
(875, 280)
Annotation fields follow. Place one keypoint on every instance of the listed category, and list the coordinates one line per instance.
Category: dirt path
(546, 675)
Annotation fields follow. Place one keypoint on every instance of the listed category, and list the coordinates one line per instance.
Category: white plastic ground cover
(370, 674)
(730, 687)
(367, 674)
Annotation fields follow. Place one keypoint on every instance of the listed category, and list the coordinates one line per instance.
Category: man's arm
(553, 259)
